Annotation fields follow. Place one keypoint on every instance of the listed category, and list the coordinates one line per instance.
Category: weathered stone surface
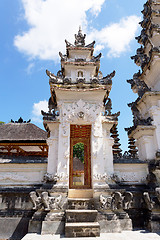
(81, 215)
(35, 227)
(52, 227)
(111, 226)
(81, 203)
(85, 229)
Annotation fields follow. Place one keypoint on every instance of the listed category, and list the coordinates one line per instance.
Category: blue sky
(33, 33)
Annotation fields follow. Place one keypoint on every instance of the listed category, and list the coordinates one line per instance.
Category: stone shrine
(73, 179)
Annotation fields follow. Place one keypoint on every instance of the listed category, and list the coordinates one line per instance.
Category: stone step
(80, 193)
(82, 229)
(81, 215)
(80, 203)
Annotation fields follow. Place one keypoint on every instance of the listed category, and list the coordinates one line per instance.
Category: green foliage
(78, 151)
(2, 122)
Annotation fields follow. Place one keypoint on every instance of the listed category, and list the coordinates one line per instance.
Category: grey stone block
(52, 227)
(34, 226)
(84, 229)
(81, 215)
(112, 226)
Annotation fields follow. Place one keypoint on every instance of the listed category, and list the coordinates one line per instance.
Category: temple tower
(80, 117)
(146, 83)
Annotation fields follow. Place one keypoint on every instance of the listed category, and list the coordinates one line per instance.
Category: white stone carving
(81, 110)
(45, 201)
(54, 178)
(116, 201)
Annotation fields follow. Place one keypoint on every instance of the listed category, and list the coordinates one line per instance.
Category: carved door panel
(80, 157)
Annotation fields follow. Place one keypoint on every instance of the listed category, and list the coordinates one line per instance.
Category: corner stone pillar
(102, 155)
(145, 142)
(53, 148)
(155, 114)
(107, 148)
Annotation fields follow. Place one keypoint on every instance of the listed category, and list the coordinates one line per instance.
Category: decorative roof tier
(79, 68)
(79, 74)
(148, 58)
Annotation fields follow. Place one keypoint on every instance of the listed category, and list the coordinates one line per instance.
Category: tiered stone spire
(79, 70)
(146, 83)
(117, 151)
(132, 148)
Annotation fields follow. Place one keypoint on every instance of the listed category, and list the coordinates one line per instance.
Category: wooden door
(80, 157)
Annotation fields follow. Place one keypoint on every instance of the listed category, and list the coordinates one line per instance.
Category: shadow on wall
(13, 228)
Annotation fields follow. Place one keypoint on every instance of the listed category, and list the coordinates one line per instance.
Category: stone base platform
(125, 235)
(82, 229)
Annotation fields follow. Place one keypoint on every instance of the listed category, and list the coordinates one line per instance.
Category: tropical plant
(78, 151)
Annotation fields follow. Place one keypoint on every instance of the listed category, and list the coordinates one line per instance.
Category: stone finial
(80, 38)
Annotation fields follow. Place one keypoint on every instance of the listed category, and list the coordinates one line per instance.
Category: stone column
(53, 148)
(63, 155)
(145, 142)
(102, 157)
(107, 148)
(155, 115)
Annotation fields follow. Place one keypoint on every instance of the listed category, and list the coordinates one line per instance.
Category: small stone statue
(117, 200)
(35, 200)
(106, 202)
(147, 200)
(55, 202)
(45, 201)
(128, 200)
(158, 194)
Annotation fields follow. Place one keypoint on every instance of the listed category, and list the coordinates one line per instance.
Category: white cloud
(36, 111)
(52, 21)
(116, 36)
(30, 68)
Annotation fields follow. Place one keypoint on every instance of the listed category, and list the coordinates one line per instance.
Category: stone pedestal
(53, 222)
(109, 222)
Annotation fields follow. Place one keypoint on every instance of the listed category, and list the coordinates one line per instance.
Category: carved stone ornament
(108, 79)
(80, 39)
(54, 178)
(94, 80)
(147, 200)
(73, 112)
(140, 86)
(116, 201)
(81, 115)
(158, 194)
(50, 178)
(67, 81)
(102, 177)
(97, 58)
(45, 201)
